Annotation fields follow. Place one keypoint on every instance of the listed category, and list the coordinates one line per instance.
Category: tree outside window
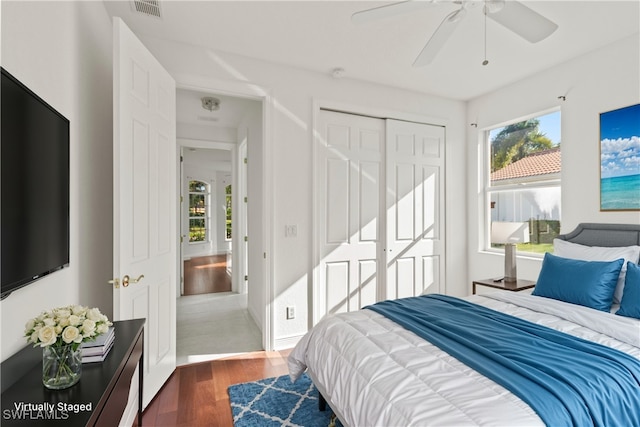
(198, 211)
(523, 179)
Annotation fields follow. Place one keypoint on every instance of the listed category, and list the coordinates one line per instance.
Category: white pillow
(566, 249)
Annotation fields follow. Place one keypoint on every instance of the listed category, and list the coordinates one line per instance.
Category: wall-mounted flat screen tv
(34, 174)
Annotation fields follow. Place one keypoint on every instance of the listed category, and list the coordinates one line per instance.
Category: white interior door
(183, 221)
(349, 173)
(415, 209)
(145, 206)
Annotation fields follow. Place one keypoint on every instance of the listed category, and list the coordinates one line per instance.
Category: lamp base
(510, 274)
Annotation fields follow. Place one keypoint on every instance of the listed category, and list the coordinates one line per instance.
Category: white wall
(291, 125)
(62, 51)
(250, 129)
(600, 81)
(205, 133)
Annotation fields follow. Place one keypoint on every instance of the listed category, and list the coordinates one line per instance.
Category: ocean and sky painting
(620, 159)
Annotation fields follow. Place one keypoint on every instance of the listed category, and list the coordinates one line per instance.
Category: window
(227, 205)
(523, 180)
(198, 211)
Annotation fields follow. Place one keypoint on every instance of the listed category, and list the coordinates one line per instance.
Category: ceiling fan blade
(389, 10)
(439, 38)
(523, 21)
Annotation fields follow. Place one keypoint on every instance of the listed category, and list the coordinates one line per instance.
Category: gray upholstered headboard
(607, 235)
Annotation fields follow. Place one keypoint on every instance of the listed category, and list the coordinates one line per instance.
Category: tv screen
(34, 209)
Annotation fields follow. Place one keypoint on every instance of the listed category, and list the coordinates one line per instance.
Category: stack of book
(96, 351)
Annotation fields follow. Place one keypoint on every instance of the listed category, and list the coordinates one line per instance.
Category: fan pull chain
(485, 62)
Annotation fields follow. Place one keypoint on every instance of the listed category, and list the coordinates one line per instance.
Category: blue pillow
(630, 304)
(588, 283)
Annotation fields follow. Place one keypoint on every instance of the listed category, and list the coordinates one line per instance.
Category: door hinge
(245, 199)
(181, 239)
(246, 161)
(246, 277)
(246, 238)
(181, 199)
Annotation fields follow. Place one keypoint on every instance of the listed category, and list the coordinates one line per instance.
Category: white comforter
(373, 372)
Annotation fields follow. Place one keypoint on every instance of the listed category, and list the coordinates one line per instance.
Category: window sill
(534, 256)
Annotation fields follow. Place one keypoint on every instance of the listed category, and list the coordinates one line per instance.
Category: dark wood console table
(98, 399)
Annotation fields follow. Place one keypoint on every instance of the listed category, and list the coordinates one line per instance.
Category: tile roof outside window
(546, 162)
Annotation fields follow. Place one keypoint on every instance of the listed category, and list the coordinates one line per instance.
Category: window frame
(205, 217)
(488, 190)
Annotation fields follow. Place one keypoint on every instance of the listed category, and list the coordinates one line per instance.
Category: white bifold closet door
(415, 209)
(379, 211)
(349, 175)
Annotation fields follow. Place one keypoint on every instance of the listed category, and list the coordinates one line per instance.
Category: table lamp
(509, 233)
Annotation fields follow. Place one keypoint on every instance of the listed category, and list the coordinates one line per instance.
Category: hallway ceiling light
(210, 103)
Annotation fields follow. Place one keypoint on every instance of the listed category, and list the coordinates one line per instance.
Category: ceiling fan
(511, 14)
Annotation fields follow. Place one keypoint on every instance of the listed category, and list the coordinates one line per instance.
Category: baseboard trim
(286, 342)
(255, 317)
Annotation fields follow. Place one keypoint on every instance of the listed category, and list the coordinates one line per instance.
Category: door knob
(126, 280)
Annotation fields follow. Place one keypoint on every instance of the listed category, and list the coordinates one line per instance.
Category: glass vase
(61, 366)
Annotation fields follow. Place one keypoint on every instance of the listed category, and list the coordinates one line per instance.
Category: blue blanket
(568, 381)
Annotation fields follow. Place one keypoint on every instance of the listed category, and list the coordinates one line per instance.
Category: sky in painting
(620, 142)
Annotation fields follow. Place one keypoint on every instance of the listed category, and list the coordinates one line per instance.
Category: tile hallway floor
(213, 326)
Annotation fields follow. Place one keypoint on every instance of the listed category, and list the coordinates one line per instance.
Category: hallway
(206, 274)
(212, 326)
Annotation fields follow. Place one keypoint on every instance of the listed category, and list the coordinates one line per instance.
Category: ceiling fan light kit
(512, 15)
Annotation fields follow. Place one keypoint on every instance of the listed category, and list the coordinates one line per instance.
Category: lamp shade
(509, 232)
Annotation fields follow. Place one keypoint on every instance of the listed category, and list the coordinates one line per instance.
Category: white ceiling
(319, 36)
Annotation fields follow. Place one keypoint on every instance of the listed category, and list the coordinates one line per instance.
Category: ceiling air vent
(148, 7)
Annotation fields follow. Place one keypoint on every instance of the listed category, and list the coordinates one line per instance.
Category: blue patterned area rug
(278, 402)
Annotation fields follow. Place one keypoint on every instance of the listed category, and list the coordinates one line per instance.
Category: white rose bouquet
(60, 332)
(73, 324)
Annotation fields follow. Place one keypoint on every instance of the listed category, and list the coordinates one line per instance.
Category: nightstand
(519, 285)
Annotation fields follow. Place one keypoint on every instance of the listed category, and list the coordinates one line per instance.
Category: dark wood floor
(207, 274)
(196, 395)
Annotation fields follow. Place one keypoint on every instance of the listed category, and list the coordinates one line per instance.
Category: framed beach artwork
(620, 159)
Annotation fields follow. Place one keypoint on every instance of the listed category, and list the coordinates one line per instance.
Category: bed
(374, 371)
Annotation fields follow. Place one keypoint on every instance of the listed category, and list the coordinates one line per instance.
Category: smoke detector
(210, 103)
(337, 73)
(147, 7)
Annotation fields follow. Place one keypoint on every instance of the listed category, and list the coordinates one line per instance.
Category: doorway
(213, 318)
(208, 179)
